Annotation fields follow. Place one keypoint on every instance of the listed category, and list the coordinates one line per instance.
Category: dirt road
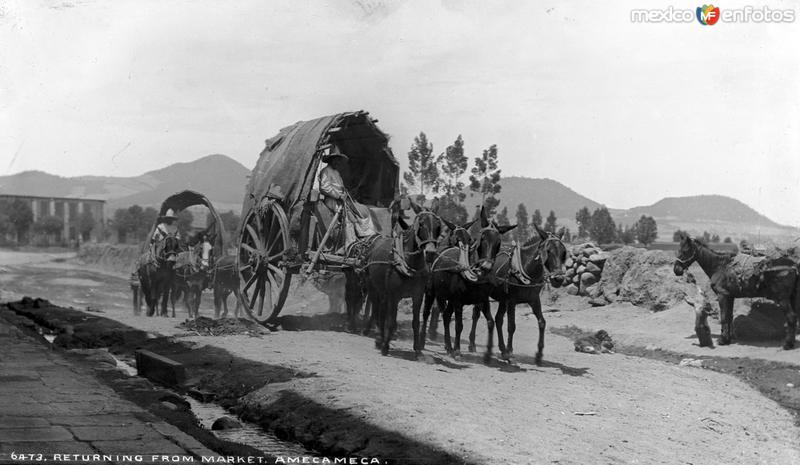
(576, 408)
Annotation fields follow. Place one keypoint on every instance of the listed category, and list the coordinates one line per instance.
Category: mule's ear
(402, 222)
(469, 225)
(484, 218)
(542, 234)
(505, 229)
(414, 206)
(451, 226)
(435, 206)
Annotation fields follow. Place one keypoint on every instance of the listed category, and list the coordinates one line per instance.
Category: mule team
(434, 260)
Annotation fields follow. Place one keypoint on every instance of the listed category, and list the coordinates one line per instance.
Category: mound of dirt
(223, 327)
(644, 278)
(764, 322)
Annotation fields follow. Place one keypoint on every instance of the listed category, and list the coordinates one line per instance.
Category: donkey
(518, 276)
(390, 275)
(225, 280)
(452, 290)
(735, 276)
(157, 274)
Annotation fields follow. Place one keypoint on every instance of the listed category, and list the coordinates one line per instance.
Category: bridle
(421, 243)
(686, 262)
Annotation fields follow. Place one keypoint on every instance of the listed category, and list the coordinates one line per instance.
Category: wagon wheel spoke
(267, 291)
(256, 292)
(254, 236)
(277, 272)
(249, 249)
(249, 282)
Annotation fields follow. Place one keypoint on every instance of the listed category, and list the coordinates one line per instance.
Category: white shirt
(331, 183)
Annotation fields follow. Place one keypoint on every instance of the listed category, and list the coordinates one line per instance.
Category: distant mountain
(716, 214)
(544, 194)
(221, 178)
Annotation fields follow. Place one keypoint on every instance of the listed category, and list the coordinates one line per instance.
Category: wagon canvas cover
(289, 162)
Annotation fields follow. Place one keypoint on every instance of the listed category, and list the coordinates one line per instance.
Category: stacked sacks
(584, 268)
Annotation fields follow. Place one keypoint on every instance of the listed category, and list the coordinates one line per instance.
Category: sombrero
(168, 215)
(334, 153)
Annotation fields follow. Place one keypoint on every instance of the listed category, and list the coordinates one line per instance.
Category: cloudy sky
(623, 113)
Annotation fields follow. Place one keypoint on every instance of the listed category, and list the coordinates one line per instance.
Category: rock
(580, 269)
(569, 273)
(594, 291)
(652, 347)
(225, 423)
(594, 269)
(582, 260)
(691, 362)
(597, 302)
(572, 289)
(587, 279)
(598, 259)
(611, 298)
(576, 279)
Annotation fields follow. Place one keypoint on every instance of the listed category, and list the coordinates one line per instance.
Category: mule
(395, 269)
(157, 274)
(452, 290)
(736, 276)
(518, 276)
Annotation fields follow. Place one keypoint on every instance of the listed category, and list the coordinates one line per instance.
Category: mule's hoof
(788, 345)
(378, 343)
(487, 358)
(384, 351)
(457, 354)
(723, 341)
(471, 348)
(538, 359)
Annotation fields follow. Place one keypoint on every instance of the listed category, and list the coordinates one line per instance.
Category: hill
(219, 177)
(544, 194)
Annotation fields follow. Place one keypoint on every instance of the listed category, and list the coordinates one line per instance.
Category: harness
(517, 269)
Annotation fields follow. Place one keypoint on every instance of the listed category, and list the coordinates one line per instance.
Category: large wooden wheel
(264, 277)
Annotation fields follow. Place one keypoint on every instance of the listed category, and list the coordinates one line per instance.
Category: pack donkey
(156, 271)
(735, 276)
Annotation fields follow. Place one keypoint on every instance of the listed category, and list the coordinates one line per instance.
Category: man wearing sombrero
(166, 227)
(331, 185)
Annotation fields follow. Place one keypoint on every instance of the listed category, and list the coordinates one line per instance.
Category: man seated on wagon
(357, 221)
(167, 226)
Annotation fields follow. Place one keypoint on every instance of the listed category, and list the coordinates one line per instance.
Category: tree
(502, 217)
(727, 240)
(564, 234)
(422, 170)
(706, 237)
(602, 228)
(452, 211)
(85, 224)
(453, 164)
(627, 235)
(536, 219)
(715, 238)
(521, 231)
(550, 224)
(646, 230)
(21, 216)
(584, 219)
(49, 226)
(678, 235)
(485, 178)
(147, 219)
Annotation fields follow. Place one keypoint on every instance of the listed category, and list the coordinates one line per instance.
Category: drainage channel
(249, 434)
(207, 413)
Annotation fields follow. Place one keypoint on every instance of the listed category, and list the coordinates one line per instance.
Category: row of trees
(707, 237)
(600, 227)
(16, 219)
(134, 223)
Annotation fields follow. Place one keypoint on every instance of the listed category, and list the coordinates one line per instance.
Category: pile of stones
(584, 268)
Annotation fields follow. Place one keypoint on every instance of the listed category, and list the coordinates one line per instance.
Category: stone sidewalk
(53, 410)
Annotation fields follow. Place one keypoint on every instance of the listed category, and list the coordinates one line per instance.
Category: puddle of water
(249, 435)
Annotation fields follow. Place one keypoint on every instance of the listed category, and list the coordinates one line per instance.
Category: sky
(624, 113)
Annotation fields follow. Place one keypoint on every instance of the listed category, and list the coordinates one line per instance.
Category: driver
(167, 226)
(357, 221)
